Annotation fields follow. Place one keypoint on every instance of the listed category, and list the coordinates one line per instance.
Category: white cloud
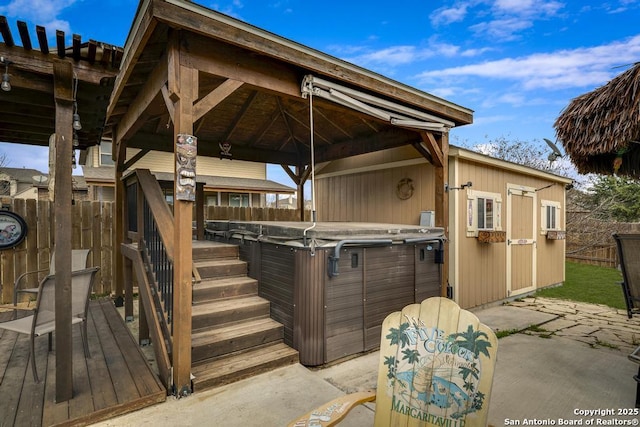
(580, 67)
(448, 15)
(41, 12)
(502, 29)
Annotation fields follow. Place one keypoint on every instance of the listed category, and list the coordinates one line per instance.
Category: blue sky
(516, 63)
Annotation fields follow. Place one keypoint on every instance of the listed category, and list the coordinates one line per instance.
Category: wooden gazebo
(48, 86)
(600, 130)
(245, 94)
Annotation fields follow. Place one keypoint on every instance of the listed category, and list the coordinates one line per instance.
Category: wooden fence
(92, 228)
(604, 256)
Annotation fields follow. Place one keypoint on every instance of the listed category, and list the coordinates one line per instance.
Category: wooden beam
(212, 57)
(141, 31)
(424, 152)
(5, 30)
(60, 44)
(149, 91)
(267, 45)
(24, 35)
(41, 32)
(438, 159)
(140, 154)
(442, 204)
(295, 178)
(168, 101)
(63, 95)
(186, 91)
(215, 97)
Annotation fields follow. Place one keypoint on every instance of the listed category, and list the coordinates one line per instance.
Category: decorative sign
(225, 151)
(13, 229)
(556, 235)
(186, 153)
(437, 362)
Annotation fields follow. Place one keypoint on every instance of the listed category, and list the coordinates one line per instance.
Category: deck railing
(150, 250)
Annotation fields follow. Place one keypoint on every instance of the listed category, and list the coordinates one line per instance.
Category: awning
(379, 108)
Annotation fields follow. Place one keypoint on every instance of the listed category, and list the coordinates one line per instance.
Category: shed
(506, 221)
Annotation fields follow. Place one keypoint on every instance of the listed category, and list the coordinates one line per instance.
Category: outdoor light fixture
(462, 187)
(73, 159)
(6, 79)
(76, 117)
(76, 141)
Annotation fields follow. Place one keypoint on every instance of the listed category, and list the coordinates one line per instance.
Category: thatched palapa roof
(600, 130)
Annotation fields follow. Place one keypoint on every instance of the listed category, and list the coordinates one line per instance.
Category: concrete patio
(574, 362)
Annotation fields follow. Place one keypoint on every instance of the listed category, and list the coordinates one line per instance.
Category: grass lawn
(589, 283)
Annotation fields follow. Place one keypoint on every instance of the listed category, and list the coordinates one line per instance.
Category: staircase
(233, 336)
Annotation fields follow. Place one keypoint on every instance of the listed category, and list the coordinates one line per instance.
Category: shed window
(550, 216)
(483, 212)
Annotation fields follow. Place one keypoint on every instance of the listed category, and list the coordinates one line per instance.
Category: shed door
(521, 243)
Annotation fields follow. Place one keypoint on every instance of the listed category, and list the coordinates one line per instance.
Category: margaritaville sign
(438, 374)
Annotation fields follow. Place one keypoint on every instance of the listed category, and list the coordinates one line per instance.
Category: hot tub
(331, 286)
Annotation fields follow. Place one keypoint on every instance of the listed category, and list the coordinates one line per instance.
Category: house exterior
(23, 183)
(226, 182)
(506, 221)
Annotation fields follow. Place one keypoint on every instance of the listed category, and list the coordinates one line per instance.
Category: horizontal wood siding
(309, 313)
(159, 161)
(344, 307)
(389, 274)
(276, 284)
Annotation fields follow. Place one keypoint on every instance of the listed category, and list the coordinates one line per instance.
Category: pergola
(600, 130)
(47, 87)
(245, 94)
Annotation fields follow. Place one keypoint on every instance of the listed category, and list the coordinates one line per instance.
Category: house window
(550, 216)
(105, 154)
(213, 200)
(483, 212)
(239, 200)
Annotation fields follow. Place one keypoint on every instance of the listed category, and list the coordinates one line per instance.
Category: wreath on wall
(404, 189)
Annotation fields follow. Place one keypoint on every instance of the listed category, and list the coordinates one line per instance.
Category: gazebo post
(183, 90)
(63, 94)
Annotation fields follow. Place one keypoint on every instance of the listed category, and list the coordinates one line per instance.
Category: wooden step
(241, 365)
(211, 343)
(203, 250)
(221, 268)
(228, 311)
(231, 287)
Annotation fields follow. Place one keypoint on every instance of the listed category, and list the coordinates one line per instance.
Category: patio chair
(436, 368)
(42, 321)
(629, 255)
(79, 259)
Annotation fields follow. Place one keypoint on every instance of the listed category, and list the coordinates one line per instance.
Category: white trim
(454, 234)
(544, 205)
(522, 191)
(503, 164)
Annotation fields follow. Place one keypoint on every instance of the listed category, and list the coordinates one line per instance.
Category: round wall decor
(404, 189)
(13, 229)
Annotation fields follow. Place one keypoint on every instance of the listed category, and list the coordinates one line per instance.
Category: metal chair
(629, 254)
(42, 321)
(79, 259)
(436, 366)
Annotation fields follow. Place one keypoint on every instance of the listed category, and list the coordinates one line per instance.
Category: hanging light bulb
(76, 117)
(76, 141)
(73, 159)
(6, 79)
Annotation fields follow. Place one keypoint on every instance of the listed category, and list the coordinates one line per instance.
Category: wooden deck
(115, 380)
